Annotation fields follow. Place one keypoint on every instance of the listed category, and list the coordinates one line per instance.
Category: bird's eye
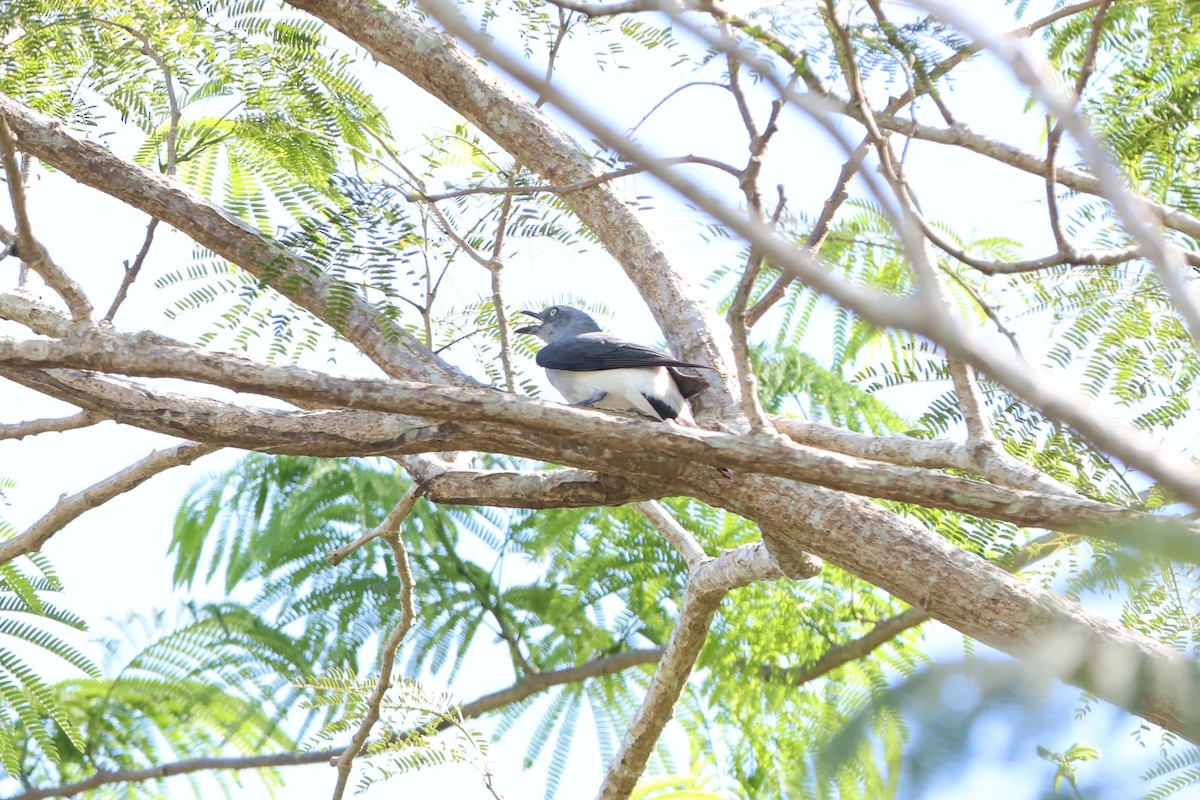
(553, 312)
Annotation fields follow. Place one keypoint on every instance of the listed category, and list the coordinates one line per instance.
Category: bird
(592, 368)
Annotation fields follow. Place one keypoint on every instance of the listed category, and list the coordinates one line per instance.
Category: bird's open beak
(533, 329)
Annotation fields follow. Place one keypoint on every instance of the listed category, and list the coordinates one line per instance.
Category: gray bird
(593, 368)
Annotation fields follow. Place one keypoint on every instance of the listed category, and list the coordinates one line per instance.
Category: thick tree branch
(514, 424)
(559, 488)
(691, 629)
(970, 595)
(708, 583)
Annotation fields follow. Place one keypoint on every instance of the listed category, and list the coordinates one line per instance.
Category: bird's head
(559, 321)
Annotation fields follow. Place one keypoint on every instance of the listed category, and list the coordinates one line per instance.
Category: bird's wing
(598, 351)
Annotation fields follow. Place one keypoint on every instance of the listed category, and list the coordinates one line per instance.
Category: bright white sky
(112, 559)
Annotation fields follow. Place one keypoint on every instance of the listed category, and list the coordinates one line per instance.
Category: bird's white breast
(624, 389)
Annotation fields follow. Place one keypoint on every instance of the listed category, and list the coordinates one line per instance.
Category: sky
(112, 559)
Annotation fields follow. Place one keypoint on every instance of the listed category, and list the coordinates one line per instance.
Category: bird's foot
(591, 401)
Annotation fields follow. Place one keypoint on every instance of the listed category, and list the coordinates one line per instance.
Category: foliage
(411, 718)
(203, 681)
(259, 109)
(34, 723)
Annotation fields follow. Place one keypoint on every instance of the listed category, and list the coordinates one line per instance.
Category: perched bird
(593, 368)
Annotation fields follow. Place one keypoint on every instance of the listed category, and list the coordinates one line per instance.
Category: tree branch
(558, 488)
(502, 422)
(30, 249)
(389, 346)
(132, 271)
(68, 508)
(390, 530)
(695, 615)
(736, 317)
(534, 684)
(391, 524)
(708, 583)
(578, 185)
(496, 266)
(32, 427)
(679, 537)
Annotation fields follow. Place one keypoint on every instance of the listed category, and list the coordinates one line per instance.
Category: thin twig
(928, 287)
(593, 10)
(1065, 248)
(887, 629)
(132, 271)
(737, 315)
(559, 36)
(391, 533)
(578, 185)
(398, 515)
(496, 267)
(671, 94)
(989, 310)
(175, 116)
(820, 231)
(970, 401)
(172, 99)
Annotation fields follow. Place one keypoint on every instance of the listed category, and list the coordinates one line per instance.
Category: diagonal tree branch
(670, 529)
(31, 250)
(695, 616)
(392, 348)
(708, 583)
(391, 524)
(68, 508)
